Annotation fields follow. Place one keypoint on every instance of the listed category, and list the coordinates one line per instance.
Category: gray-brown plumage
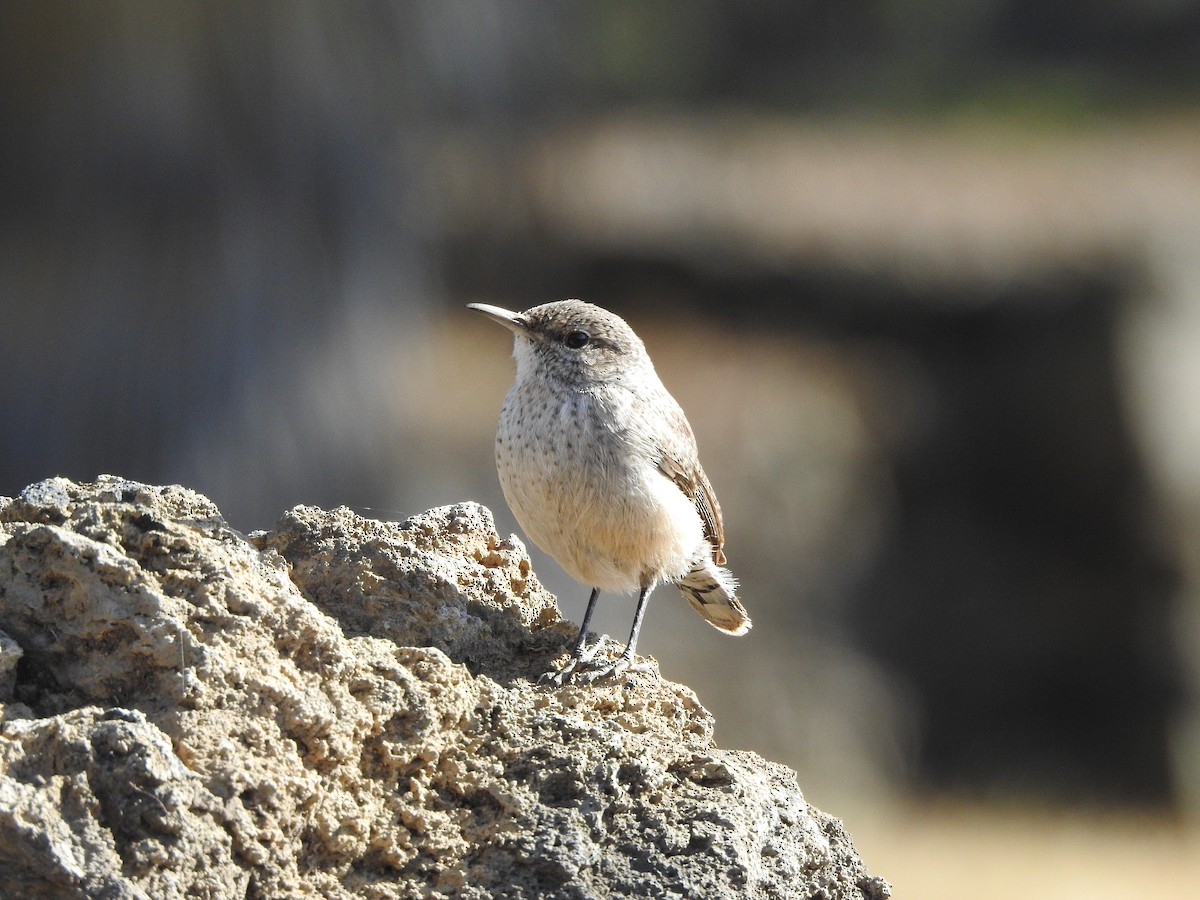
(599, 465)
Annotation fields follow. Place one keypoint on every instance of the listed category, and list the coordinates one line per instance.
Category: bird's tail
(711, 590)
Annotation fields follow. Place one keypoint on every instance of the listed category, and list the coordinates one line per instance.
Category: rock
(341, 707)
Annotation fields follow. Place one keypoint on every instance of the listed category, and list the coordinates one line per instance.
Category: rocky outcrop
(342, 707)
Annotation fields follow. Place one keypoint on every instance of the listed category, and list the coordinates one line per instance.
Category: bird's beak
(510, 320)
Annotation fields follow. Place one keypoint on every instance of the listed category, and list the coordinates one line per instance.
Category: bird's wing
(677, 459)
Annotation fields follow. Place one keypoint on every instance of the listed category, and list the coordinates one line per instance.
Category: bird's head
(572, 342)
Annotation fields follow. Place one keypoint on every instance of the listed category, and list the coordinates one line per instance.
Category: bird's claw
(583, 667)
(581, 658)
(623, 665)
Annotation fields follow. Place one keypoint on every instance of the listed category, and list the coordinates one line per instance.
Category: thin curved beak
(509, 319)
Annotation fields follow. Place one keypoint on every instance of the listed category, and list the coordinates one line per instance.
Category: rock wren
(599, 465)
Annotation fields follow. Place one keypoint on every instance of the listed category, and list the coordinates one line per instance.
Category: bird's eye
(577, 339)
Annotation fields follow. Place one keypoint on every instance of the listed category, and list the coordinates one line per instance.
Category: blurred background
(924, 275)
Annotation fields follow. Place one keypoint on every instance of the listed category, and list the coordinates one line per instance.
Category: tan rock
(341, 707)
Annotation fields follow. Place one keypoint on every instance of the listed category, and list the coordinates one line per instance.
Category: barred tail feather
(711, 590)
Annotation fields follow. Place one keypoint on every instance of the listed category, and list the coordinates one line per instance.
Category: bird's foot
(582, 658)
(583, 668)
(624, 665)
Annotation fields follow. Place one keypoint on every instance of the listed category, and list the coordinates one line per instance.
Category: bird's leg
(577, 651)
(581, 656)
(625, 662)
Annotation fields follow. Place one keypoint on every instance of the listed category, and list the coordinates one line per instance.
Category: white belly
(590, 499)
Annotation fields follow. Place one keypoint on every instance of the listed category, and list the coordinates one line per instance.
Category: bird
(599, 465)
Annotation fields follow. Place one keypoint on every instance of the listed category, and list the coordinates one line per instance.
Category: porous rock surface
(342, 707)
